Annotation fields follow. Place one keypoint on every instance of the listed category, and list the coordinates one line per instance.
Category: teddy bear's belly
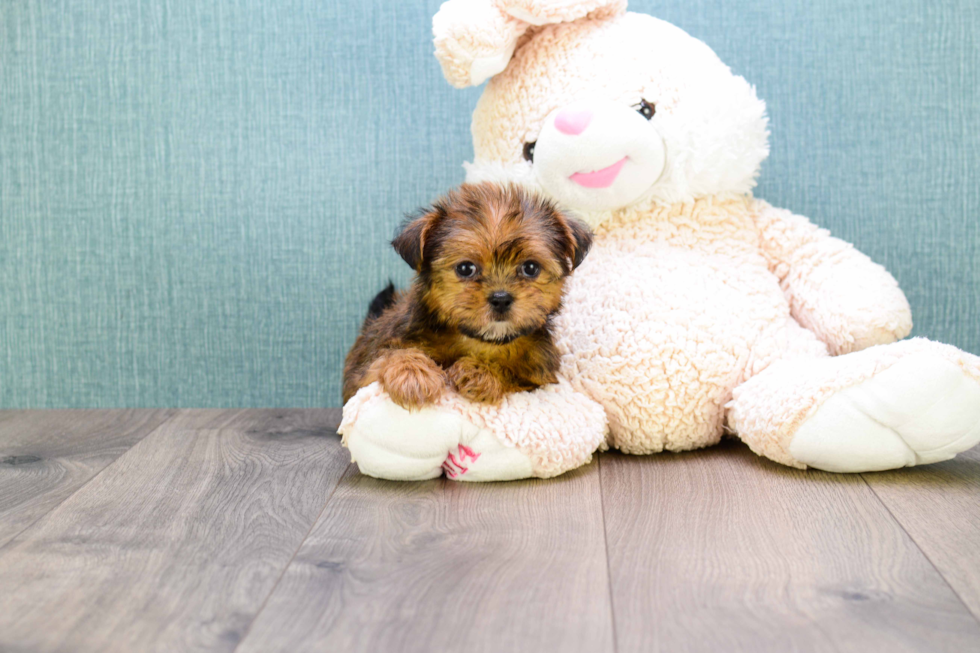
(661, 337)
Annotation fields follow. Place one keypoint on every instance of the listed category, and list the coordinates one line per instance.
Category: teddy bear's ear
(543, 12)
(475, 39)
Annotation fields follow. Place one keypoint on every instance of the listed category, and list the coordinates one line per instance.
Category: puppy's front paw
(475, 382)
(411, 378)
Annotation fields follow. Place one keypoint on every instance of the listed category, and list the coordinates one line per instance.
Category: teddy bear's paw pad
(920, 410)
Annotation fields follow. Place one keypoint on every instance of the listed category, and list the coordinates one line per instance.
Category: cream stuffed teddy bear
(700, 310)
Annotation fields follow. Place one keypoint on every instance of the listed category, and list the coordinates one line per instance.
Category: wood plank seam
(95, 476)
(313, 524)
(925, 555)
(605, 541)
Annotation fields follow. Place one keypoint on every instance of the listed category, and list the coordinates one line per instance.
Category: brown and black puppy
(491, 262)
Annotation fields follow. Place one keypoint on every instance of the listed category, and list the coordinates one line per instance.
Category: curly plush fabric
(866, 305)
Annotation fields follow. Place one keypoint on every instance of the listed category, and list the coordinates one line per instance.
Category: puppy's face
(492, 260)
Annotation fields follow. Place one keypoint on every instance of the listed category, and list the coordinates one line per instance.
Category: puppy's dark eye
(646, 109)
(529, 151)
(530, 269)
(465, 270)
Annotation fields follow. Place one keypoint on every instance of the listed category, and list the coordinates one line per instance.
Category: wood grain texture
(177, 544)
(939, 506)
(45, 456)
(444, 566)
(206, 530)
(720, 550)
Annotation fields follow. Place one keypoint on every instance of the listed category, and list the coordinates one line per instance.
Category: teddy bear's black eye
(646, 109)
(529, 151)
(465, 270)
(530, 269)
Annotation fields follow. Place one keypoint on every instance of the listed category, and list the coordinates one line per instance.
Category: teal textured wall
(195, 198)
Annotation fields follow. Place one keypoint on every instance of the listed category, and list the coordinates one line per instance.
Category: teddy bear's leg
(530, 434)
(909, 403)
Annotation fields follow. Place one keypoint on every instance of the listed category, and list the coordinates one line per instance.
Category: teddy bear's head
(598, 108)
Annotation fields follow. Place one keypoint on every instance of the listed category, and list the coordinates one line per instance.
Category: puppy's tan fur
(443, 331)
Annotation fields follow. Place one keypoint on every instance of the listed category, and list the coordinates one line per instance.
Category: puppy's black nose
(501, 301)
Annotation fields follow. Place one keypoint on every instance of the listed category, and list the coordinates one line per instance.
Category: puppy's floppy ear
(573, 238)
(415, 234)
(581, 239)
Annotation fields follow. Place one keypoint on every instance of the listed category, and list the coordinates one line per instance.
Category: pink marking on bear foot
(465, 452)
(455, 468)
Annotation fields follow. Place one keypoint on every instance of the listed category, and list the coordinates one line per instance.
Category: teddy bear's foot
(921, 410)
(529, 434)
(910, 403)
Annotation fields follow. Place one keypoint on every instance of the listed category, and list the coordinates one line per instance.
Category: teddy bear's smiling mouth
(599, 178)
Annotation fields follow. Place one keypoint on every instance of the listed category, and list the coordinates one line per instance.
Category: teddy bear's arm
(835, 291)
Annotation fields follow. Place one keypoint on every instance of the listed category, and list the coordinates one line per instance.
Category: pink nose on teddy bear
(573, 122)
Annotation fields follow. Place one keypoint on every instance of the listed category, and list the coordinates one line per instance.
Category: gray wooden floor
(248, 530)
